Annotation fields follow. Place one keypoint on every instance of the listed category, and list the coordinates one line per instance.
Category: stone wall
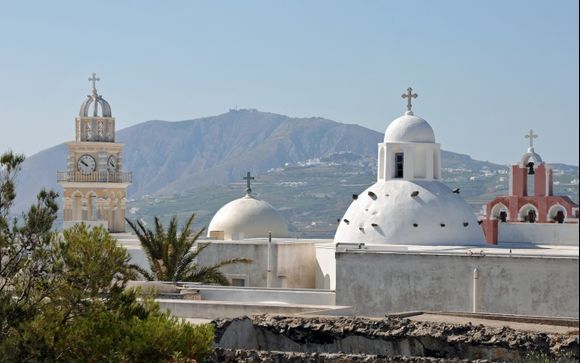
(253, 356)
(389, 338)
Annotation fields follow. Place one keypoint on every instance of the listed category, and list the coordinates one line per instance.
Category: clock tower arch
(95, 186)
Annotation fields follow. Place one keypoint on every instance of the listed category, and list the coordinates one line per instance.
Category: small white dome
(248, 217)
(387, 213)
(409, 128)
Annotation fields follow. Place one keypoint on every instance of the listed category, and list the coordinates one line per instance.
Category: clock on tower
(95, 187)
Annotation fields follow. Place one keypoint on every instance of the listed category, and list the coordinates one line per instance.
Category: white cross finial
(409, 96)
(248, 178)
(94, 79)
(530, 135)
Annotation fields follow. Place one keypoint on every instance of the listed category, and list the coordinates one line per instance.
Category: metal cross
(530, 135)
(94, 79)
(248, 178)
(409, 96)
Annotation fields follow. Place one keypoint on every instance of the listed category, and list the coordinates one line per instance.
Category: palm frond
(232, 261)
(142, 272)
(207, 275)
(171, 256)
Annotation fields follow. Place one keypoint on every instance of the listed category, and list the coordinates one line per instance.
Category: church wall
(420, 163)
(540, 233)
(379, 283)
(325, 266)
(254, 273)
(296, 265)
(292, 264)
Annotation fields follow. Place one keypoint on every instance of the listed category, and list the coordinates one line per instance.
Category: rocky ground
(267, 338)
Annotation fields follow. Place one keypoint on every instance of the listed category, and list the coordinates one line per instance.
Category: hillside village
(295, 189)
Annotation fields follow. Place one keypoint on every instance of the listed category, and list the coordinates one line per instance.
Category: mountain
(169, 157)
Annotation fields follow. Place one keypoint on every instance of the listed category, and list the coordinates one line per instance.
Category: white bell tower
(95, 187)
(409, 150)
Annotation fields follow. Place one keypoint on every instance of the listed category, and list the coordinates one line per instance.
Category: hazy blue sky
(486, 71)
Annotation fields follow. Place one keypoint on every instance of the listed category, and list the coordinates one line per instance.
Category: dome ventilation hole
(415, 225)
(346, 221)
(372, 195)
(465, 224)
(442, 224)
(354, 196)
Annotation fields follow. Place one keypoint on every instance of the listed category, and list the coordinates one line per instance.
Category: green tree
(63, 297)
(171, 255)
(27, 268)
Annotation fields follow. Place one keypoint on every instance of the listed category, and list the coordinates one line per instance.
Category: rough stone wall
(384, 338)
(253, 356)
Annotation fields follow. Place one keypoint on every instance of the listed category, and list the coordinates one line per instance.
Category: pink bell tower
(531, 197)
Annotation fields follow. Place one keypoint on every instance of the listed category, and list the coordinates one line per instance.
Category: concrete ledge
(226, 309)
(529, 319)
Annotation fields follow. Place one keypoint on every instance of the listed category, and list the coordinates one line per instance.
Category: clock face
(86, 164)
(112, 163)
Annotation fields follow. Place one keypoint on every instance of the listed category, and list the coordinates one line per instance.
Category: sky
(486, 71)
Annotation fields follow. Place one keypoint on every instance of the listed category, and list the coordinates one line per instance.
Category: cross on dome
(94, 79)
(409, 96)
(530, 135)
(248, 178)
(96, 101)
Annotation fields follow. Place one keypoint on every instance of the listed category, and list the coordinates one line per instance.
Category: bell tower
(95, 187)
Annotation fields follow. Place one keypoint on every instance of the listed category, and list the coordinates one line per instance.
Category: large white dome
(248, 217)
(386, 213)
(409, 128)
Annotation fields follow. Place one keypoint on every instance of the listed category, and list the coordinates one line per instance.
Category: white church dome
(409, 128)
(247, 217)
(408, 204)
(421, 212)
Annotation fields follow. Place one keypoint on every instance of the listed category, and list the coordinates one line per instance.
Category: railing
(97, 176)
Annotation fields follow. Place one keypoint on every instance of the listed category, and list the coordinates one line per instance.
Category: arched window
(528, 213)
(557, 213)
(500, 211)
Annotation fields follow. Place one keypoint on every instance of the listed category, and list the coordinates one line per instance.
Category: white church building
(406, 243)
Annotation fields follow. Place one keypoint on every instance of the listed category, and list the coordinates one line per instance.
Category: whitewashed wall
(325, 266)
(540, 233)
(375, 283)
(292, 264)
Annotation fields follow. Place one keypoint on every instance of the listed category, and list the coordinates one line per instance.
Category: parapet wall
(505, 284)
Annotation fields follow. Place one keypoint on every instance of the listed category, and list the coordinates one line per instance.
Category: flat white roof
(504, 250)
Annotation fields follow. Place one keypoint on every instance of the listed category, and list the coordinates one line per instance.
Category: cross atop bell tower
(530, 135)
(94, 79)
(409, 96)
(248, 178)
